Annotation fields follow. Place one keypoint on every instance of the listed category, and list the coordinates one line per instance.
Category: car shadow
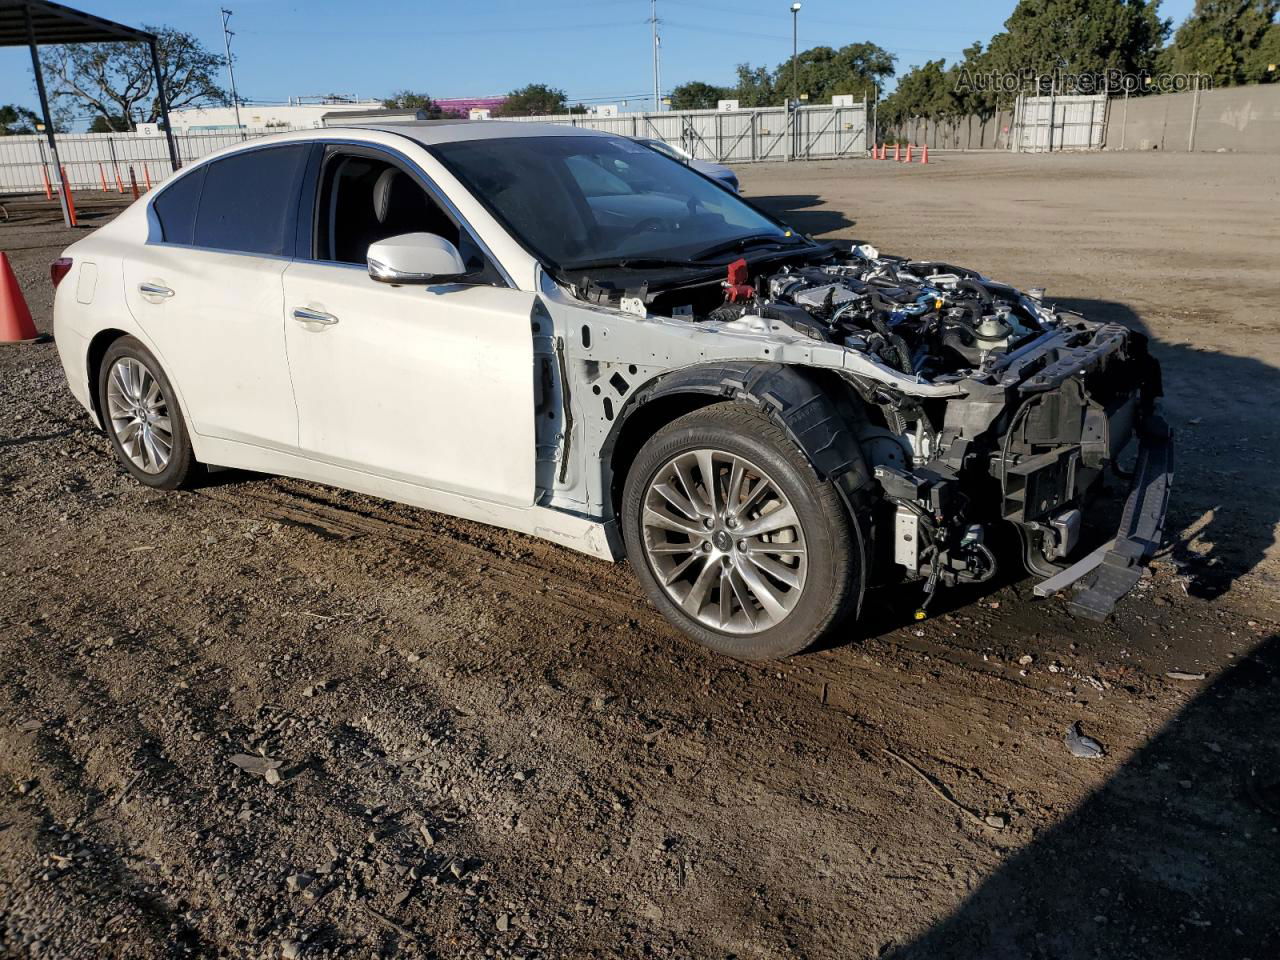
(1174, 856)
(796, 210)
(1225, 503)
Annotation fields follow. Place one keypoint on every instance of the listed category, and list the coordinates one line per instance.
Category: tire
(804, 571)
(141, 416)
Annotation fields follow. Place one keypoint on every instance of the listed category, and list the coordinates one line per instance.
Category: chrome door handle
(155, 290)
(307, 315)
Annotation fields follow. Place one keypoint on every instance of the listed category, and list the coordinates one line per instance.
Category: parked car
(560, 332)
(716, 171)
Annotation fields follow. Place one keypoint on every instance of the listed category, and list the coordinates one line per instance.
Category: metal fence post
(1124, 120)
(1195, 115)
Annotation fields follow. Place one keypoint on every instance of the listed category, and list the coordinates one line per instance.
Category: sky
(595, 50)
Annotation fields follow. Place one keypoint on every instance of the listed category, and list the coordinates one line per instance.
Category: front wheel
(735, 537)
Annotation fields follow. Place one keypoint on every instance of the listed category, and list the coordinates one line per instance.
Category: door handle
(155, 290)
(307, 315)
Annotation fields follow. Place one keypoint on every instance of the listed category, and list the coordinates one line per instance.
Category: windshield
(578, 200)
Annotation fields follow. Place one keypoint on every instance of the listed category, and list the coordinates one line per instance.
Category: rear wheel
(735, 537)
(141, 416)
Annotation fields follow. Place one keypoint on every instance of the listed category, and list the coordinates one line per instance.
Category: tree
(697, 95)
(408, 100)
(536, 100)
(1262, 63)
(972, 100)
(755, 87)
(923, 93)
(103, 124)
(1230, 41)
(859, 69)
(115, 82)
(1079, 37)
(17, 120)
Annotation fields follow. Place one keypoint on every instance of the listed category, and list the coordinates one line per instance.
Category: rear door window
(250, 200)
(175, 207)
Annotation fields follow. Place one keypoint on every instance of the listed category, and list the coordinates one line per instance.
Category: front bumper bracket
(1119, 563)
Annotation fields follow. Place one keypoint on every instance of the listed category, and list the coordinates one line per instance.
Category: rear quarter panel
(90, 299)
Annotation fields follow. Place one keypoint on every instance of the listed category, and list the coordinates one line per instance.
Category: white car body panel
(373, 394)
(420, 394)
(221, 335)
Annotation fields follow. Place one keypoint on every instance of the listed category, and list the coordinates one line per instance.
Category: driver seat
(401, 206)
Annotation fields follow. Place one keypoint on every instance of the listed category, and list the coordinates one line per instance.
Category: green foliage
(1262, 63)
(16, 120)
(821, 73)
(925, 91)
(755, 87)
(535, 100)
(115, 81)
(697, 95)
(108, 124)
(1079, 37)
(1231, 41)
(408, 100)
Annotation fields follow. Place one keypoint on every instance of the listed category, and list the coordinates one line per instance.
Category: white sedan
(567, 334)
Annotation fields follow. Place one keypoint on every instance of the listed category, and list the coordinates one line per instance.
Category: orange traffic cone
(897, 153)
(16, 325)
(924, 154)
(909, 153)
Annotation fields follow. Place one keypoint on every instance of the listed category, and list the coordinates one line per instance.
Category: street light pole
(795, 75)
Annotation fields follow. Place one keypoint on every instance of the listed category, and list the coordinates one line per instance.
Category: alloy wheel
(139, 415)
(724, 541)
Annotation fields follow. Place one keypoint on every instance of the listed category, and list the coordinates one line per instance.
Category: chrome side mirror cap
(415, 258)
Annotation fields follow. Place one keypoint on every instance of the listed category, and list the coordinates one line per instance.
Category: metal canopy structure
(31, 23)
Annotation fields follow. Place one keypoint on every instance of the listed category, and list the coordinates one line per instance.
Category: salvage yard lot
(492, 746)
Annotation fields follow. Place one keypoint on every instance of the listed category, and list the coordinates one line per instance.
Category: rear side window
(175, 207)
(249, 199)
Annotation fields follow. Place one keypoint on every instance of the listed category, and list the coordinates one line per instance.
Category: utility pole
(231, 74)
(653, 19)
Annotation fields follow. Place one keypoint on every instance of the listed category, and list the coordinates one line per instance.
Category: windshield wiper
(697, 261)
(632, 263)
(741, 243)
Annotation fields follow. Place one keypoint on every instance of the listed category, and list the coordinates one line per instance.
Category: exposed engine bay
(925, 319)
(1041, 407)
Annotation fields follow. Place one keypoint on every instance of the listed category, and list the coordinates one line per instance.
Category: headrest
(389, 191)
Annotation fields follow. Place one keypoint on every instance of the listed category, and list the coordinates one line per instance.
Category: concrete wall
(1242, 119)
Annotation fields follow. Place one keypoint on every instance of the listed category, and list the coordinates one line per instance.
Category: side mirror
(415, 258)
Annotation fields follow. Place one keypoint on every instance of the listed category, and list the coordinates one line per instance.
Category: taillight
(59, 269)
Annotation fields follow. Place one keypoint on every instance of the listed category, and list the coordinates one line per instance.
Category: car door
(429, 384)
(206, 288)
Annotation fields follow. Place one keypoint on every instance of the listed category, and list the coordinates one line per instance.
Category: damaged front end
(981, 405)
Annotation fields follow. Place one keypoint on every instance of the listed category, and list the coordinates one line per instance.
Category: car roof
(430, 132)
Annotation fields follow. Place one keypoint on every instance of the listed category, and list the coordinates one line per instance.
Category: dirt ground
(491, 747)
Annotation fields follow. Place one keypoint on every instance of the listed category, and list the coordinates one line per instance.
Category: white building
(299, 112)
